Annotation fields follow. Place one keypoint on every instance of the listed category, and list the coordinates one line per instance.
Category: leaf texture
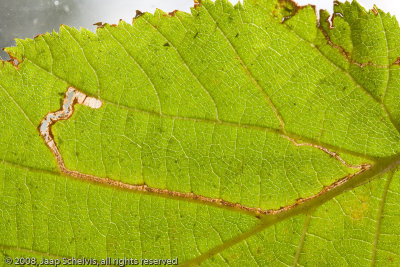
(252, 134)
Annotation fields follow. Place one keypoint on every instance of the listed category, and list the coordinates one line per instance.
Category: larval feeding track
(330, 153)
(74, 96)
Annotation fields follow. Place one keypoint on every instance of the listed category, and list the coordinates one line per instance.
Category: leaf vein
(18, 106)
(227, 123)
(379, 217)
(302, 238)
(139, 66)
(185, 63)
(387, 55)
(84, 55)
(248, 72)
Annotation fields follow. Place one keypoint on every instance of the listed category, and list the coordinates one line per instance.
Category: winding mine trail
(74, 96)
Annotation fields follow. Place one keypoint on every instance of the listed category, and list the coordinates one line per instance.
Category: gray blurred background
(28, 18)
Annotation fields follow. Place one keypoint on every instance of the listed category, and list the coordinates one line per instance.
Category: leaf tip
(173, 13)
(139, 14)
(99, 24)
(375, 10)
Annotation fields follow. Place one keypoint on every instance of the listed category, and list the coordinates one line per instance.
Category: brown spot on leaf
(172, 14)
(13, 60)
(138, 14)
(375, 11)
(100, 24)
(38, 35)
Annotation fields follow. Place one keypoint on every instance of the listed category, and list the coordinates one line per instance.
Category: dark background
(28, 18)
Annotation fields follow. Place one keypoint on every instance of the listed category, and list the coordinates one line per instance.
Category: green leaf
(253, 134)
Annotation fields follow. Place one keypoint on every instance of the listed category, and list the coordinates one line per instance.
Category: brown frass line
(74, 96)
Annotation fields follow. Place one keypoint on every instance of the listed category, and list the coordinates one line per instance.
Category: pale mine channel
(73, 96)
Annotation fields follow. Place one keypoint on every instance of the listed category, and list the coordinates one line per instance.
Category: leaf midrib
(377, 170)
(262, 226)
(267, 220)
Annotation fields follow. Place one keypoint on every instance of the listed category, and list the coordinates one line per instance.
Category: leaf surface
(248, 134)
